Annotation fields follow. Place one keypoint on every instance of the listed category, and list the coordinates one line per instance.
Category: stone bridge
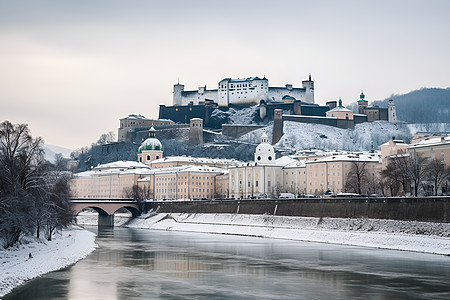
(105, 208)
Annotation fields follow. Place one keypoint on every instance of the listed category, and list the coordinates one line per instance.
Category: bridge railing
(102, 200)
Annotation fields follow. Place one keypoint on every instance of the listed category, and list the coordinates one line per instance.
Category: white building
(265, 176)
(243, 91)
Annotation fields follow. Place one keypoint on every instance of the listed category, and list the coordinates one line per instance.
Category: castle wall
(242, 91)
(308, 119)
(238, 130)
(277, 93)
(183, 114)
(198, 96)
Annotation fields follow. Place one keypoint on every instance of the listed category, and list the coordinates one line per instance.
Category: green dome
(151, 143)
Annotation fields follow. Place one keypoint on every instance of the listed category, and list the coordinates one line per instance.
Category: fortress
(216, 107)
(248, 91)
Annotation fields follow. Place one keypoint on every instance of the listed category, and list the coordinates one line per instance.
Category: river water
(147, 264)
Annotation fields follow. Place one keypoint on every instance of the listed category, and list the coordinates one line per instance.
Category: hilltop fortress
(248, 91)
(239, 106)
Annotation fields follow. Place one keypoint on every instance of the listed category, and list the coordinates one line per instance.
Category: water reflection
(142, 264)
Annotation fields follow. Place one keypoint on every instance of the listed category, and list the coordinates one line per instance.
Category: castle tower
(277, 132)
(264, 152)
(262, 109)
(308, 85)
(362, 103)
(150, 149)
(392, 114)
(177, 94)
(196, 131)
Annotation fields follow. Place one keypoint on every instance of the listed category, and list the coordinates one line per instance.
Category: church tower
(150, 149)
(265, 154)
(362, 103)
(392, 114)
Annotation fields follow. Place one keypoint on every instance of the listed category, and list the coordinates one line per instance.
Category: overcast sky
(72, 69)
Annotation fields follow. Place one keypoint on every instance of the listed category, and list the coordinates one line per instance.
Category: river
(147, 264)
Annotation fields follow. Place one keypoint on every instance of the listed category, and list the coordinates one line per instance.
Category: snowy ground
(388, 234)
(317, 136)
(87, 218)
(65, 249)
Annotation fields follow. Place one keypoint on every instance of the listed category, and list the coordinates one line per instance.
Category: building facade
(108, 181)
(247, 91)
(131, 123)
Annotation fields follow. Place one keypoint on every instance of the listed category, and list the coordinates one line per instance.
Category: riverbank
(425, 237)
(66, 248)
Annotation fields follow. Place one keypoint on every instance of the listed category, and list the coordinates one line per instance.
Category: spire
(310, 77)
(152, 132)
(362, 96)
(340, 102)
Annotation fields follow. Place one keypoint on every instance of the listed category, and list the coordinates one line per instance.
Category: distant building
(340, 112)
(247, 91)
(131, 123)
(376, 113)
(330, 173)
(150, 149)
(434, 148)
(110, 181)
(186, 182)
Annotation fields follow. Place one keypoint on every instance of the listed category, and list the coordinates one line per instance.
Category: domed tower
(362, 103)
(264, 152)
(150, 149)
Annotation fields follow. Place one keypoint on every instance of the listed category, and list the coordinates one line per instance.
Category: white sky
(72, 69)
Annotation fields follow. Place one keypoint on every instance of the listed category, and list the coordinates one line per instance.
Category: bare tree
(417, 170)
(106, 138)
(436, 172)
(397, 173)
(25, 188)
(139, 195)
(356, 177)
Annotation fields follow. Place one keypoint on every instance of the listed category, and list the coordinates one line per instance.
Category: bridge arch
(105, 209)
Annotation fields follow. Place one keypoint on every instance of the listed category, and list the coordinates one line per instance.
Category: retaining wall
(432, 209)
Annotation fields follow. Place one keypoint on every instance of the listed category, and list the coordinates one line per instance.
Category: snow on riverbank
(65, 249)
(387, 234)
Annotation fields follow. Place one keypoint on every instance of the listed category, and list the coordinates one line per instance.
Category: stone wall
(434, 209)
(235, 131)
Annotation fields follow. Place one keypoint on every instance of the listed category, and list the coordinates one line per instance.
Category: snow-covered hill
(52, 150)
(429, 127)
(300, 136)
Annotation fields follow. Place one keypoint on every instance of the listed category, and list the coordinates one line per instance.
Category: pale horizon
(72, 69)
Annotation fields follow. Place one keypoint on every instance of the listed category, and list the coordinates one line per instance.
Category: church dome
(265, 153)
(151, 143)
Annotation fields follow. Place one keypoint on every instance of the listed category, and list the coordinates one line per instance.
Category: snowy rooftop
(136, 117)
(242, 79)
(121, 164)
(116, 168)
(432, 142)
(199, 160)
(359, 157)
(396, 142)
(184, 170)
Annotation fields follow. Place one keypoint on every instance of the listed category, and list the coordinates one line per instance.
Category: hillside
(299, 136)
(426, 105)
